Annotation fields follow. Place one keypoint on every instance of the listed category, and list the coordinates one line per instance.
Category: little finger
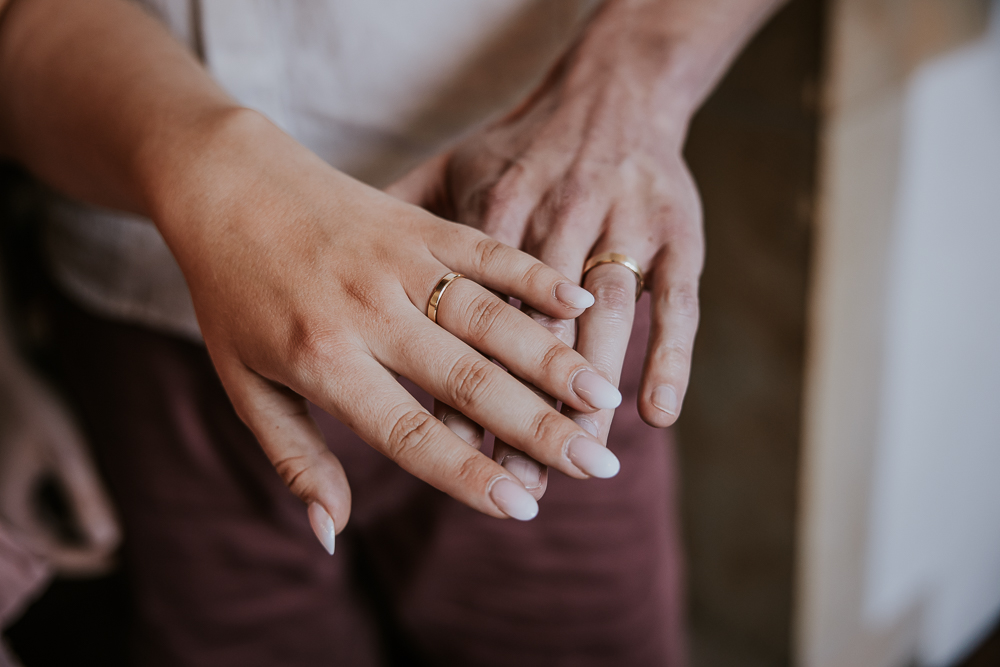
(280, 420)
(672, 333)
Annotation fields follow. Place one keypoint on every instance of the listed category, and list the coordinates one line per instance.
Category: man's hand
(591, 163)
(40, 445)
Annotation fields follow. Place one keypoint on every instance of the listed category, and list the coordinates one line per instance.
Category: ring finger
(604, 330)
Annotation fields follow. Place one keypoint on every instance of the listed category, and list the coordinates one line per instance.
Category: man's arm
(591, 163)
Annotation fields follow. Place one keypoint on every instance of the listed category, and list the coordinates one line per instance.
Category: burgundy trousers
(225, 570)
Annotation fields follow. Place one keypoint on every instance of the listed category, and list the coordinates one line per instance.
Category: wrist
(656, 58)
(233, 180)
(180, 167)
(673, 51)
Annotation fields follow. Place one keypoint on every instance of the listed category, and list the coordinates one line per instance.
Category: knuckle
(676, 356)
(582, 182)
(363, 295)
(612, 293)
(548, 426)
(411, 434)
(488, 253)
(316, 348)
(485, 312)
(683, 299)
(468, 379)
(469, 473)
(553, 358)
(499, 196)
(292, 470)
(537, 274)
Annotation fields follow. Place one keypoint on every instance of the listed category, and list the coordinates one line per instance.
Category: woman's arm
(307, 284)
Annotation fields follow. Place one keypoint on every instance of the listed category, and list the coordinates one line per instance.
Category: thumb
(426, 186)
(280, 420)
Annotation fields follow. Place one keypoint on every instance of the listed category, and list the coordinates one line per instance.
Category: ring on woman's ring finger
(616, 258)
(432, 305)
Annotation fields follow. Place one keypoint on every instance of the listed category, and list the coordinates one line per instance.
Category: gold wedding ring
(616, 258)
(432, 305)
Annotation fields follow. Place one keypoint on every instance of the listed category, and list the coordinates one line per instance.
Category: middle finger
(527, 349)
(459, 376)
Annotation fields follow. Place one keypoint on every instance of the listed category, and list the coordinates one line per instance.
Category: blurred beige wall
(752, 149)
(860, 492)
(798, 157)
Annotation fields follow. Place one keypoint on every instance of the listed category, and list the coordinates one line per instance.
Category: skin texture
(590, 163)
(307, 283)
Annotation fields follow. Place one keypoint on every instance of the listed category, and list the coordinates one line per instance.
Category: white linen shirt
(371, 86)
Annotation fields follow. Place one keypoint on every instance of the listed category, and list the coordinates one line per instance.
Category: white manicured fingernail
(513, 500)
(593, 458)
(665, 398)
(322, 525)
(598, 392)
(464, 428)
(574, 296)
(527, 470)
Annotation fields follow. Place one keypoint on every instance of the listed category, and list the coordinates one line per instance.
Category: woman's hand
(311, 285)
(40, 445)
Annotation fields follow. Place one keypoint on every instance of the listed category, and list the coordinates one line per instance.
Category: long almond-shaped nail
(598, 392)
(592, 457)
(322, 525)
(574, 296)
(513, 500)
(527, 470)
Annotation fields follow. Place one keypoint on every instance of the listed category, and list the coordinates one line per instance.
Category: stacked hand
(310, 285)
(588, 165)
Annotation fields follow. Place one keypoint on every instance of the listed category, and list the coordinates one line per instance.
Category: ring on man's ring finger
(432, 305)
(616, 258)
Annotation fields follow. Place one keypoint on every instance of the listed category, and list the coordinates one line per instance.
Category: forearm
(677, 50)
(99, 101)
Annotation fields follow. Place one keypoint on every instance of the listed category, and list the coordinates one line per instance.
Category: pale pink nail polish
(527, 470)
(596, 391)
(513, 500)
(592, 457)
(574, 296)
(665, 398)
(322, 525)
